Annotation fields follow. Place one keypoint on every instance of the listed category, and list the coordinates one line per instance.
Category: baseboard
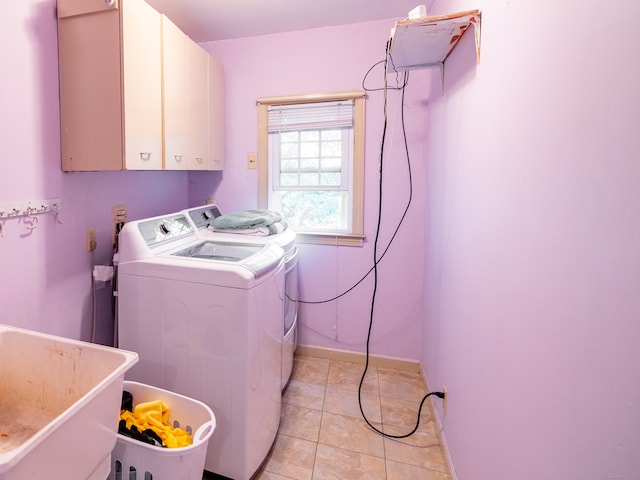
(440, 432)
(357, 357)
(445, 447)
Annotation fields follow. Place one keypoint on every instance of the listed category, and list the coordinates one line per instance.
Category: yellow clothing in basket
(155, 415)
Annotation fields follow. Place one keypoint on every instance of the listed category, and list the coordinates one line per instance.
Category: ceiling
(208, 20)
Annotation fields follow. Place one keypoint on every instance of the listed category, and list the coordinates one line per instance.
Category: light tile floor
(322, 435)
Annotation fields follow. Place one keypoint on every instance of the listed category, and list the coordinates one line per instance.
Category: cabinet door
(142, 60)
(90, 86)
(176, 128)
(216, 114)
(198, 94)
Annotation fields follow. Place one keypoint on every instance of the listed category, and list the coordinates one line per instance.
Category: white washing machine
(205, 317)
(203, 217)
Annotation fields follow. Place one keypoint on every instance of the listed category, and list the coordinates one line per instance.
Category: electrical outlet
(91, 239)
(119, 213)
(444, 400)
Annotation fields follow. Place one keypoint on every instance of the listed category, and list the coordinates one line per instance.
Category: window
(311, 164)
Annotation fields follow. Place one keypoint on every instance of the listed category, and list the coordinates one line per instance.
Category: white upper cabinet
(216, 114)
(186, 101)
(142, 79)
(198, 100)
(176, 115)
(134, 90)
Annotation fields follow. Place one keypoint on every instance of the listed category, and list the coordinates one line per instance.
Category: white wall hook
(30, 210)
(34, 219)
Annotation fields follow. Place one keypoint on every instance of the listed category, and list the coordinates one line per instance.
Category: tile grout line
(324, 399)
(384, 445)
(379, 400)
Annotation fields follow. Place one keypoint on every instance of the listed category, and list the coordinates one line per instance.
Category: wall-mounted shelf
(427, 41)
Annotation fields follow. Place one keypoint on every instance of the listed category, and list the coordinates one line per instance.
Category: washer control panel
(159, 230)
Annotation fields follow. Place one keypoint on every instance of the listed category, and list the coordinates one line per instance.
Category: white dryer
(205, 317)
(202, 218)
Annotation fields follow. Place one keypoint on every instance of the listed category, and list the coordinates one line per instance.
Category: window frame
(356, 236)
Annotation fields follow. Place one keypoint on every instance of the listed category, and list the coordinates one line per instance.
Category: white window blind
(310, 116)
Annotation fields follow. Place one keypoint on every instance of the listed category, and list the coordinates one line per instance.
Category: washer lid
(259, 259)
(212, 250)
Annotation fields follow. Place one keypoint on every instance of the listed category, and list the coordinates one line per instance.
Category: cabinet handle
(145, 155)
(199, 159)
(178, 158)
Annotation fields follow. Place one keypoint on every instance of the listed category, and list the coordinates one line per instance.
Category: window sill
(344, 240)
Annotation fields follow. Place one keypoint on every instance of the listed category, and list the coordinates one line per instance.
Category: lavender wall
(515, 277)
(532, 263)
(45, 276)
(319, 61)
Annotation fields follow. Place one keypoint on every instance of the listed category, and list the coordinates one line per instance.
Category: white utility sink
(59, 405)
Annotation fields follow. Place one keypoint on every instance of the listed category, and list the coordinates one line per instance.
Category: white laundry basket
(135, 460)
